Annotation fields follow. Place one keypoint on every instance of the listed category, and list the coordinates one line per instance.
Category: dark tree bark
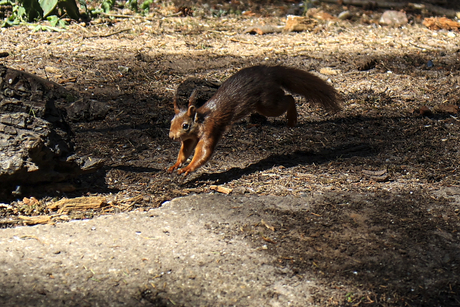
(35, 140)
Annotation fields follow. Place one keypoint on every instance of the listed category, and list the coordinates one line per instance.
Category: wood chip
(268, 240)
(329, 71)
(262, 29)
(80, 203)
(378, 176)
(34, 220)
(221, 189)
(268, 226)
(299, 24)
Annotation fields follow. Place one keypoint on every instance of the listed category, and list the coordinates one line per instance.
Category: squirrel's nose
(172, 136)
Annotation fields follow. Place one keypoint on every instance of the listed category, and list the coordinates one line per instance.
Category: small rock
(393, 18)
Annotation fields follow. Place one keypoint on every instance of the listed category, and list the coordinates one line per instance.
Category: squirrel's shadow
(287, 160)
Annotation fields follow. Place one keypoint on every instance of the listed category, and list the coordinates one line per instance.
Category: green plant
(17, 15)
(34, 10)
(132, 5)
(145, 6)
(107, 5)
(24, 11)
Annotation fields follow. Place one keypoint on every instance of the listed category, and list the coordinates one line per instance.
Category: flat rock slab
(242, 250)
(178, 255)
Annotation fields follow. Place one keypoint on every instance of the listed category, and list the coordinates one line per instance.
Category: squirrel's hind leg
(278, 104)
(291, 113)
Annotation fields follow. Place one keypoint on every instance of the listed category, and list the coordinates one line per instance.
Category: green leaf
(62, 23)
(48, 6)
(132, 5)
(145, 6)
(32, 9)
(107, 5)
(21, 12)
(71, 8)
(53, 20)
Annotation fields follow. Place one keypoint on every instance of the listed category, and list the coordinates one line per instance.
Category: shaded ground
(374, 241)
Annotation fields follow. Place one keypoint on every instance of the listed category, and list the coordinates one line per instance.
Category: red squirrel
(258, 88)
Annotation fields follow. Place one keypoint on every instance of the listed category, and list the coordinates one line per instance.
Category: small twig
(120, 16)
(107, 35)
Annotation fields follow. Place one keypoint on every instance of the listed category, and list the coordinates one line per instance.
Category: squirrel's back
(240, 94)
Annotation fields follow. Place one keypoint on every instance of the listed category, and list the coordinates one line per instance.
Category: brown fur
(257, 88)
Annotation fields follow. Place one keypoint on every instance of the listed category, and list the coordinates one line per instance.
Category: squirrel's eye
(185, 126)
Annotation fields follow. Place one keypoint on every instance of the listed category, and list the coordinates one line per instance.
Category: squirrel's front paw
(184, 171)
(172, 168)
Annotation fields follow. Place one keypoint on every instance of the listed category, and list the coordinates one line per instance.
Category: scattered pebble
(393, 18)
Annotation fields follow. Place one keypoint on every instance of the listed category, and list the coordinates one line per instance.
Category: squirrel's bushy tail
(308, 85)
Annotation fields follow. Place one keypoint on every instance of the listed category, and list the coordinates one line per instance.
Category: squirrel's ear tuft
(192, 99)
(191, 111)
(176, 108)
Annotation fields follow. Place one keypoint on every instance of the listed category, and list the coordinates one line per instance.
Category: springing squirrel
(257, 88)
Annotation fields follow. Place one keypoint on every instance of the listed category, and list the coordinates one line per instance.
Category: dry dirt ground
(364, 204)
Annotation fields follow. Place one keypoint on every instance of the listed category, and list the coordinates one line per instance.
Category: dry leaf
(438, 23)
